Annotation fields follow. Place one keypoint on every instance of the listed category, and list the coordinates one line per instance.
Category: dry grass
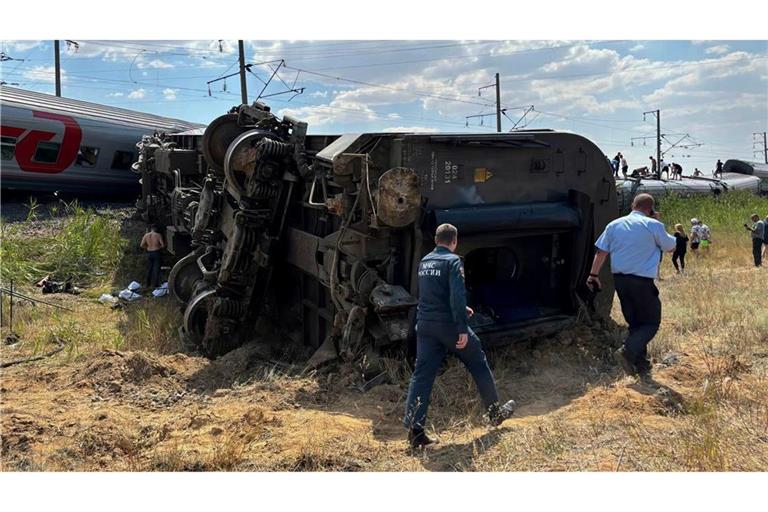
(84, 409)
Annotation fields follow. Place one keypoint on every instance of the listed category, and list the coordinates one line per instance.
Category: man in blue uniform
(441, 328)
(635, 243)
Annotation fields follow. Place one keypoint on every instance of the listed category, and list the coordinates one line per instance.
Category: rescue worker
(634, 242)
(442, 327)
(153, 243)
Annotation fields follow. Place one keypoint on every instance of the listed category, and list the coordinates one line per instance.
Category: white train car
(60, 144)
(686, 187)
(749, 168)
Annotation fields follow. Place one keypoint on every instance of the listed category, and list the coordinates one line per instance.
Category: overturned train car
(323, 234)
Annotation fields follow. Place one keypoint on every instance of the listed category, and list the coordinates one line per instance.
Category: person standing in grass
(442, 318)
(700, 235)
(758, 238)
(706, 236)
(765, 237)
(634, 242)
(681, 247)
(153, 243)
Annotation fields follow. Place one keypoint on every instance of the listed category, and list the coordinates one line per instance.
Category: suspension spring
(264, 190)
(268, 148)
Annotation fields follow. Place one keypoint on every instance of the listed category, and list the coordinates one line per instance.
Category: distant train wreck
(323, 234)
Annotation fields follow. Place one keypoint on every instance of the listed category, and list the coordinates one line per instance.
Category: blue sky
(716, 91)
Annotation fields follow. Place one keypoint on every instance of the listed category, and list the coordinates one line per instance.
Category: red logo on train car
(25, 147)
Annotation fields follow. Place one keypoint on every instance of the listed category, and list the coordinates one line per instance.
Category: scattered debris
(50, 286)
(671, 359)
(108, 299)
(128, 295)
(11, 339)
(160, 292)
(379, 379)
(58, 349)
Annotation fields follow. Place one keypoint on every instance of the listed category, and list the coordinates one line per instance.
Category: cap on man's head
(694, 221)
(446, 234)
(754, 216)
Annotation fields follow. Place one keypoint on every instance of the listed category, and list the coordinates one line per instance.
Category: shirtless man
(153, 243)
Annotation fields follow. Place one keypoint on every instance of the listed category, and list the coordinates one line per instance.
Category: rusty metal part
(217, 138)
(399, 199)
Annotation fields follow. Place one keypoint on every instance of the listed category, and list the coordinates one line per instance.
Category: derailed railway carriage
(323, 234)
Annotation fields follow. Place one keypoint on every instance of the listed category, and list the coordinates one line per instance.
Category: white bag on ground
(163, 290)
(134, 286)
(128, 295)
(105, 297)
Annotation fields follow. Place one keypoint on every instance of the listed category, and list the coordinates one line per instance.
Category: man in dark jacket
(758, 237)
(441, 328)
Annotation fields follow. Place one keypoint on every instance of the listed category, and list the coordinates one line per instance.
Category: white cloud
(45, 74)
(319, 94)
(637, 48)
(20, 46)
(717, 50)
(137, 94)
(170, 94)
(115, 95)
(337, 111)
(154, 64)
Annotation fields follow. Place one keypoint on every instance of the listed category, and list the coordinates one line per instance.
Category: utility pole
(498, 105)
(499, 110)
(656, 113)
(756, 139)
(57, 66)
(658, 141)
(243, 88)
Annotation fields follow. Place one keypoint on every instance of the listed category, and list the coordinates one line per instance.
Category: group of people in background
(619, 162)
(656, 170)
(700, 236)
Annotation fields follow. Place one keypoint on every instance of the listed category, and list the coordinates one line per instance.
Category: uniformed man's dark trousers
(433, 341)
(641, 308)
(757, 251)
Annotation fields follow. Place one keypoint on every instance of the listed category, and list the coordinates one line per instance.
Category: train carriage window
(47, 152)
(8, 147)
(122, 160)
(87, 156)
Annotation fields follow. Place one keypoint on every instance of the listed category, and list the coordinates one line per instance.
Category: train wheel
(217, 138)
(184, 275)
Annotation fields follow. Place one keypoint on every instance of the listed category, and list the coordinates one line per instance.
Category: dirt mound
(135, 368)
(237, 367)
(141, 378)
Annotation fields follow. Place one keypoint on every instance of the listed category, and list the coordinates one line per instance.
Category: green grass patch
(82, 245)
(724, 214)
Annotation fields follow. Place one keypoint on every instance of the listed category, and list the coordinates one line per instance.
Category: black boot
(620, 356)
(497, 414)
(417, 438)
